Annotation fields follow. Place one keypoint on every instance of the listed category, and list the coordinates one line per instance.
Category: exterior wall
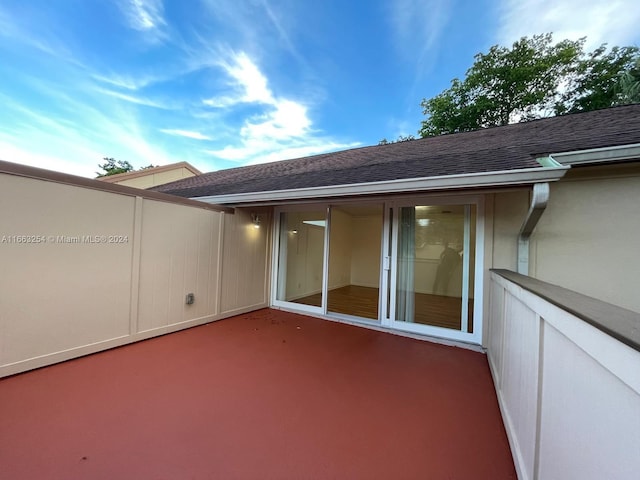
(157, 178)
(587, 239)
(509, 211)
(103, 269)
(245, 272)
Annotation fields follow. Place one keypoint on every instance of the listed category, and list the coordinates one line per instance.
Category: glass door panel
(355, 237)
(435, 262)
(301, 257)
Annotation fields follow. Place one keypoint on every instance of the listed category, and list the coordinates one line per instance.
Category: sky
(227, 83)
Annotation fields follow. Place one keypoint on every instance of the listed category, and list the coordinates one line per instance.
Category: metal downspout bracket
(539, 200)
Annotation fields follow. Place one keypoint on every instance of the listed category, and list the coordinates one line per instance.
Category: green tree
(534, 78)
(629, 85)
(401, 138)
(596, 82)
(111, 166)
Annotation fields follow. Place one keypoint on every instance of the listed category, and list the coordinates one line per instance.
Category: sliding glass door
(328, 260)
(355, 243)
(300, 259)
(409, 266)
(434, 253)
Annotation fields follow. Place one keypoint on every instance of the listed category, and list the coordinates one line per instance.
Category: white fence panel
(569, 393)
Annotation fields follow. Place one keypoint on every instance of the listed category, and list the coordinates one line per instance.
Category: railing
(567, 373)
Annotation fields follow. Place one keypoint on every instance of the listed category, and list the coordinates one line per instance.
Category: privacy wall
(83, 269)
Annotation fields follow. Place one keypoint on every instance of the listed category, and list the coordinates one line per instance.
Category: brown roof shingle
(511, 147)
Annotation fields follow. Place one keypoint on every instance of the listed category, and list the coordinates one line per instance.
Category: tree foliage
(534, 78)
(401, 138)
(629, 85)
(111, 166)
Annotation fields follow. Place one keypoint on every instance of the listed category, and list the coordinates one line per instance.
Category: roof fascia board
(598, 155)
(149, 171)
(449, 182)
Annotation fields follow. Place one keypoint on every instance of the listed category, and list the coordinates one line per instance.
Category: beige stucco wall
(508, 211)
(588, 238)
(157, 178)
(102, 269)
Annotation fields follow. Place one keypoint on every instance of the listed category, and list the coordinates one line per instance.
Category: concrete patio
(265, 395)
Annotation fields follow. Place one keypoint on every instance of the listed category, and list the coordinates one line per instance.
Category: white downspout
(539, 200)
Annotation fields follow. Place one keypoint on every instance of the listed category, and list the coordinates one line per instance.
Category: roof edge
(618, 153)
(19, 170)
(149, 171)
(445, 182)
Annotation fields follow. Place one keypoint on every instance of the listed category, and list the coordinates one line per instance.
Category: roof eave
(598, 155)
(424, 184)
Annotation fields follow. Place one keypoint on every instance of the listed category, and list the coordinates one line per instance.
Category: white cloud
(185, 133)
(289, 119)
(259, 24)
(133, 99)
(127, 82)
(50, 161)
(76, 145)
(246, 79)
(46, 38)
(145, 16)
(256, 153)
(418, 26)
(602, 21)
(283, 128)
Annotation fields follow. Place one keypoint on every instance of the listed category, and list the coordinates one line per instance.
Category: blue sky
(225, 83)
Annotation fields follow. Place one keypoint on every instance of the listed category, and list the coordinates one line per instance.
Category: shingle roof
(511, 147)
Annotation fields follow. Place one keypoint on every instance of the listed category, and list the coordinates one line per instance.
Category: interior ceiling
(360, 210)
(422, 211)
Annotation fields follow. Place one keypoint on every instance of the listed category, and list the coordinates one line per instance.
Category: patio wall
(569, 393)
(84, 269)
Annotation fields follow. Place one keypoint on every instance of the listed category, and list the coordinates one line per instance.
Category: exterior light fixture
(255, 219)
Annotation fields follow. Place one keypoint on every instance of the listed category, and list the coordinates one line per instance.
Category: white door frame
(389, 265)
(461, 335)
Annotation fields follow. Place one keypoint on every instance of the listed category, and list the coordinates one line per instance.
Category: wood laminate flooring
(435, 310)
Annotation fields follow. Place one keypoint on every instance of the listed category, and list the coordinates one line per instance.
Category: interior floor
(434, 310)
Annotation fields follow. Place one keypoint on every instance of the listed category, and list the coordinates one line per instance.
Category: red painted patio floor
(266, 395)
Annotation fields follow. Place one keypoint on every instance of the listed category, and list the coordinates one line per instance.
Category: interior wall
(587, 239)
(83, 270)
(304, 254)
(367, 247)
(341, 246)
